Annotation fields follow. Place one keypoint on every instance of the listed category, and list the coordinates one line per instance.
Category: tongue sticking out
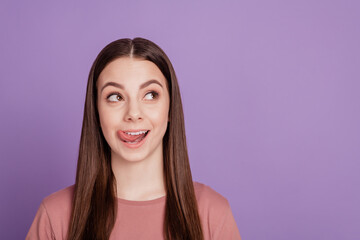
(131, 138)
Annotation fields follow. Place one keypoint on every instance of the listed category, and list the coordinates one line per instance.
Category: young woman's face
(133, 104)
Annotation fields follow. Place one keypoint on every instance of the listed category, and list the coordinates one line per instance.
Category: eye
(113, 97)
(151, 95)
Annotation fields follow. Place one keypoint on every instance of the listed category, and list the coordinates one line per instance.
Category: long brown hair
(94, 203)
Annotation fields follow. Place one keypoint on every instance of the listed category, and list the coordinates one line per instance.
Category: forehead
(130, 71)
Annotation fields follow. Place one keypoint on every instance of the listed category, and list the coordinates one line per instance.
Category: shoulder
(215, 214)
(53, 216)
(211, 205)
(58, 207)
(208, 197)
(60, 200)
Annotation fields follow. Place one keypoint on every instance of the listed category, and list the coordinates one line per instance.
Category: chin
(129, 157)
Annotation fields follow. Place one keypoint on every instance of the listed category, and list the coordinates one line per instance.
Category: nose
(133, 112)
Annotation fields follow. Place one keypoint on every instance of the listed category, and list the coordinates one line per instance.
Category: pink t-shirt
(137, 219)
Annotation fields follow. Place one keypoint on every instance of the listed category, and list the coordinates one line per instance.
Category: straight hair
(94, 206)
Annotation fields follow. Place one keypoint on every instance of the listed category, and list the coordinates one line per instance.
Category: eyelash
(155, 94)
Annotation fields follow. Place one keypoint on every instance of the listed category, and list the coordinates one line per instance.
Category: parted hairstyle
(94, 205)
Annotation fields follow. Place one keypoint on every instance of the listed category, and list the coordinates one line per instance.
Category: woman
(133, 177)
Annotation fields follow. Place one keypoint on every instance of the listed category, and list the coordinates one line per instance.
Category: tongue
(130, 138)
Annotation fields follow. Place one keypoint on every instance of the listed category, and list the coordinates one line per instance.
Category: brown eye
(151, 95)
(114, 97)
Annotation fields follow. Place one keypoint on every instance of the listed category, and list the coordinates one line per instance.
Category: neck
(139, 180)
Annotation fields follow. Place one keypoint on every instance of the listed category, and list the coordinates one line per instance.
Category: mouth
(133, 137)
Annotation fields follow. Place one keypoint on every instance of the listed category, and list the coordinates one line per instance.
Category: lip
(133, 145)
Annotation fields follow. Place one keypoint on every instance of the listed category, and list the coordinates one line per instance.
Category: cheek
(107, 120)
(160, 116)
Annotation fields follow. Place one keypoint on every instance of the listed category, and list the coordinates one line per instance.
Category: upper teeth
(136, 133)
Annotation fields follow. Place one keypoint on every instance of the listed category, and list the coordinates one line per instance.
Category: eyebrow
(144, 85)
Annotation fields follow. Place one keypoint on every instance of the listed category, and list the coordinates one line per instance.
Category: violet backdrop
(270, 92)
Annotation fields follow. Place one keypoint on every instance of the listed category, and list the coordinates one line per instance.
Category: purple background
(270, 92)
